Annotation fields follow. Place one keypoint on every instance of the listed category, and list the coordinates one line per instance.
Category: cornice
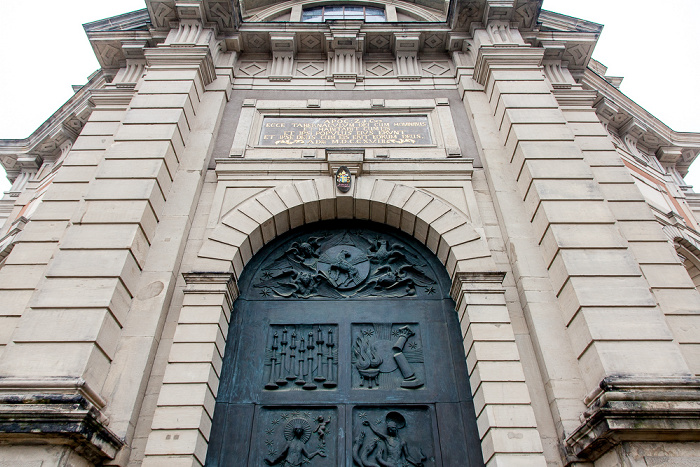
(134, 21)
(551, 21)
(625, 116)
(465, 15)
(636, 409)
(63, 126)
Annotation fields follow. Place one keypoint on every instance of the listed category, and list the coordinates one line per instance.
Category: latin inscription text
(410, 130)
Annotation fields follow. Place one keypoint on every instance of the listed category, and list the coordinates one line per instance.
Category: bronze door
(344, 350)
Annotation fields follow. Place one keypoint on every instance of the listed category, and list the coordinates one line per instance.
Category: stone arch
(446, 231)
(688, 248)
(493, 362)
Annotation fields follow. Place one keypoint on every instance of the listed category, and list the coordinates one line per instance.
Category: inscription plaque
(405, 130)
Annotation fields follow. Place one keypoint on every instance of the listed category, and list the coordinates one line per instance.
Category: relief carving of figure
(343, 265)
(394, 451)
(321, 428)
(297, 433)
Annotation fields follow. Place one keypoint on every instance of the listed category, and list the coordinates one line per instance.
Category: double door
(365, 383)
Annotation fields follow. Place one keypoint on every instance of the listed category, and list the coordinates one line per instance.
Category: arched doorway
(344, 349)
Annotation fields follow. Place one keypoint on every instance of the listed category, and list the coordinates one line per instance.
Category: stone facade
(556, 204)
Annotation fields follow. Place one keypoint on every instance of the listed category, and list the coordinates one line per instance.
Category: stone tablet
(409, 130)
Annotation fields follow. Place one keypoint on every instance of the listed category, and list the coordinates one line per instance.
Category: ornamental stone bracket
(636, 409)
(62, 411)
(345, 44)
(406, 53)
(490, 58)
(283, 47)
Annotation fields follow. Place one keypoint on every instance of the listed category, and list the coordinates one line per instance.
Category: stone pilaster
(505, 418)
(590, 267)
(551, 200)
(667, 278)
(98, 310)
(182, 420)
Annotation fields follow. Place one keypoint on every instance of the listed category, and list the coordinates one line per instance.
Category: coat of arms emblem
(343, 179)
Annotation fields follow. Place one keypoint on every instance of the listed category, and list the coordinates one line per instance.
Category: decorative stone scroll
(341, 264)
(405, 130)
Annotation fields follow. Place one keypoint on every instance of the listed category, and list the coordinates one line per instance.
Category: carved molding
(490, 57)
(212, 283)
(57, 411)
(198, 57)
(476, 282)
(636, 409)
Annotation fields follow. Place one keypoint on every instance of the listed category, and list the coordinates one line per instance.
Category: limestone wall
(579, 322)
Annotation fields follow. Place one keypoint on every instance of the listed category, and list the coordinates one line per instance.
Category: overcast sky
(44, 50)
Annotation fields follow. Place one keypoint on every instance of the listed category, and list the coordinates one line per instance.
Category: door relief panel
(344, 264)
(301, 357)
(387, 355)
(392, 437)
(293, 436)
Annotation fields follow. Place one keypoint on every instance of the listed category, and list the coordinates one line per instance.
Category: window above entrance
(330, 12)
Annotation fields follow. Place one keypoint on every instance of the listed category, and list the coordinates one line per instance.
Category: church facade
(393, 233)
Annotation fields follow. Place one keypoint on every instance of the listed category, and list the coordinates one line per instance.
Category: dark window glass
(332, 12)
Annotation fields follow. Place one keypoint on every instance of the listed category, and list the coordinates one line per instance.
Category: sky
(44, 50)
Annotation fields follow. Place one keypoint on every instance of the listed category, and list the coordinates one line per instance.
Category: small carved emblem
(343, 179)
(345, 266)
(380, 349)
